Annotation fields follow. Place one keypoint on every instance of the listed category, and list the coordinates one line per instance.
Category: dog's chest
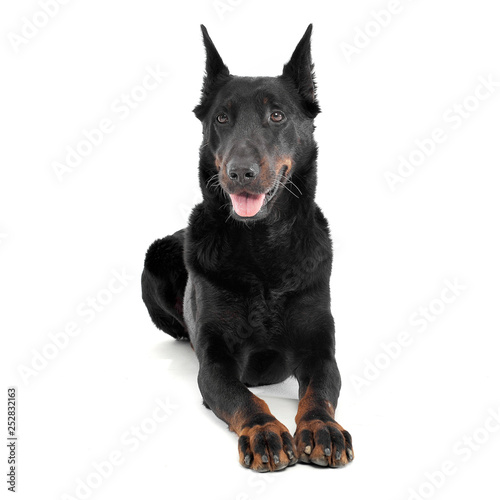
(261, 344)
(265, 311)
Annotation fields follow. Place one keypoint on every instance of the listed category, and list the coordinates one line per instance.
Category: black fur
(251, 292)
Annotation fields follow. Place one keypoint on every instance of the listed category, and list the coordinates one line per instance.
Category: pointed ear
(299, 71)
(215, 71)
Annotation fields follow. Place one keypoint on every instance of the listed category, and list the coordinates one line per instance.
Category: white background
(60, 242)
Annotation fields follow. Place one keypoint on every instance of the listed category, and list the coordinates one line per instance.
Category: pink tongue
(247, 205)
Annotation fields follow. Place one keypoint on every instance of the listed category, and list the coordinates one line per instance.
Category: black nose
(242, 172)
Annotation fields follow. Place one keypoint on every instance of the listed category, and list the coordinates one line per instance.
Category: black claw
(276, 459)
(338, 455)
(328, 452)
(247, 459)
(265, 459)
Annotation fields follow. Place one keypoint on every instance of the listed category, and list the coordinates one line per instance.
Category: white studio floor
(124, 394)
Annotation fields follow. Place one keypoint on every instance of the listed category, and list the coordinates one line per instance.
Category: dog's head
(257, 131)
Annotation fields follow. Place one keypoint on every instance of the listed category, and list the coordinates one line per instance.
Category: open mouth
(249, 204)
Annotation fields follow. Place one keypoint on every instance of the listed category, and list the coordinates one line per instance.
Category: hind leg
(163, 283)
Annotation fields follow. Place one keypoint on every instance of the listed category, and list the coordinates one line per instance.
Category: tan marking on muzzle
(265, 172)
(283, 161)
(218, 162)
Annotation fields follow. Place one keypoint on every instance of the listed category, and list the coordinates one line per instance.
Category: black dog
(247, 282)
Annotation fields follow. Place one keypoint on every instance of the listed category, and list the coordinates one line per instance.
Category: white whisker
(294, 185)
(288, 189)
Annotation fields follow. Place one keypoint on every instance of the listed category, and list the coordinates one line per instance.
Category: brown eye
(277, 116)
(222, 118)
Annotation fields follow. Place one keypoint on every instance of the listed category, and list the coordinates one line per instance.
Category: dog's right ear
(215, 72)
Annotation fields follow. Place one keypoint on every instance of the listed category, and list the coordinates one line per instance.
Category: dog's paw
(323, 443)
(266, 447)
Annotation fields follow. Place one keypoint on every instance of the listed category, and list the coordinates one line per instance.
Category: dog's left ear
(299, 70)
(215, 72)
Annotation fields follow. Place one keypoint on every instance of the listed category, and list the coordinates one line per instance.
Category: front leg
(264, 443)
(319, 438)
